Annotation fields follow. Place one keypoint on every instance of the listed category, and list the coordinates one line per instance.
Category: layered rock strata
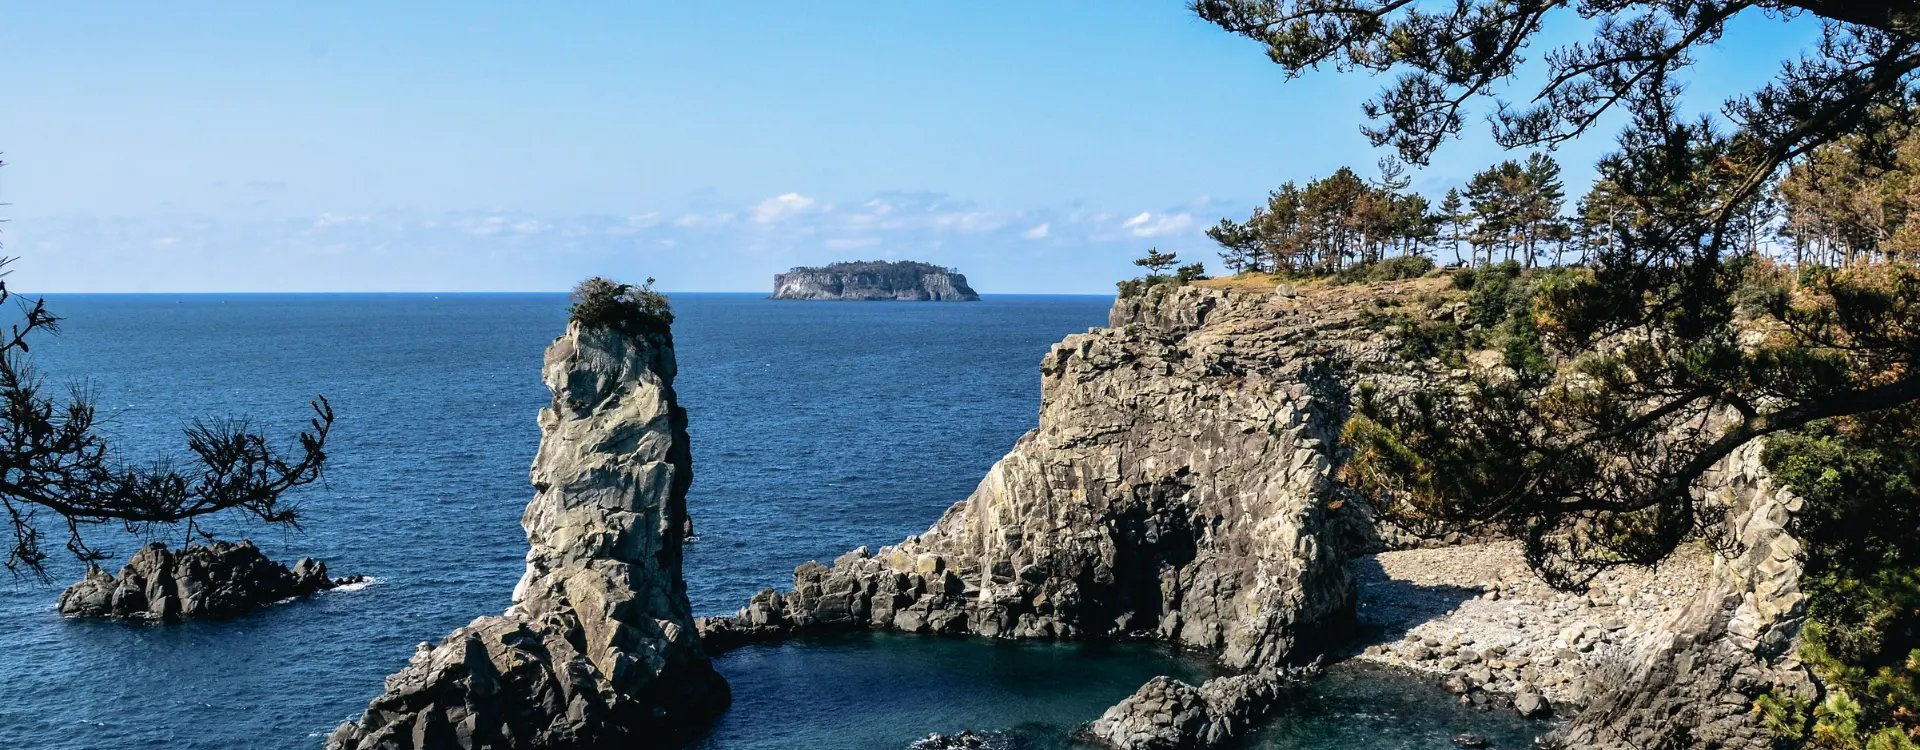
(598, 648)
(1167, 714)
(875, 281)
(1178, 487)
(198, 581)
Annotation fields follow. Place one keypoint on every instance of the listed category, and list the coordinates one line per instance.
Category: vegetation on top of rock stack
(600, 301)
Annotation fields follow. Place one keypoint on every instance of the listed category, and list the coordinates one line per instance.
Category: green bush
(1390, 269)
(600, 301)
(1181, 276)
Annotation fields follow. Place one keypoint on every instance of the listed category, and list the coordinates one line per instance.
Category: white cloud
(1149, 224)
(782, 207)
(1038, 232)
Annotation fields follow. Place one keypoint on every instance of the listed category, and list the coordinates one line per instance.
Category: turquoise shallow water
(816, 427)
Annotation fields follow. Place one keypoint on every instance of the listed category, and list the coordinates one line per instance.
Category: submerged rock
(1167, 714)
(598, 648)
(966, 740)
(215, 579)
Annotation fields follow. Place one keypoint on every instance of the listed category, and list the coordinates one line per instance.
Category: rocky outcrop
(198, 581)
(1178, 487)
(598, 648)
(875, 281)
(1167, 714)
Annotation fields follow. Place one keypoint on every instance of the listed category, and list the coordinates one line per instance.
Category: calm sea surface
(817, 427)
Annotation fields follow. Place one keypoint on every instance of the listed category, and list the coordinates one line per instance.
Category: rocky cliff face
(907, 281)
(1181, 485)
(198, 581)
(1177, 487)
(598, 648)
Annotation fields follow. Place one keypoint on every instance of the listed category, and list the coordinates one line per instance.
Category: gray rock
(599, 647)
(215, 579)
(1167, 714)
(1529, 704)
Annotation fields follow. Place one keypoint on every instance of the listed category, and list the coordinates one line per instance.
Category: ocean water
(816, 427)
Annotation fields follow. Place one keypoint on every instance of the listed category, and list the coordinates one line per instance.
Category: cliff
(598, 648)
(1182, 485)
(874, 281)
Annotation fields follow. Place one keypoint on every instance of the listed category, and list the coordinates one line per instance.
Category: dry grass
(1258, 282)
(1267, 282)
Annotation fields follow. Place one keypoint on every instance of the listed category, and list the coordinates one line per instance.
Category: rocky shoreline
(1182, 485)
(1475, 618)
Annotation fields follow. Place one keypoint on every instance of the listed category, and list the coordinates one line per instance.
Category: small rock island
(211, 580)
(875, 280)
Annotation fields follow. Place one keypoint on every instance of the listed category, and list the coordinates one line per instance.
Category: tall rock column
(598, 648)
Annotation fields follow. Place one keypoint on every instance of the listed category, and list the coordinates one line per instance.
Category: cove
(886, 690)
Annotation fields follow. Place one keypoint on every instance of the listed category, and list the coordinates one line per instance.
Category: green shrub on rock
(600, 301)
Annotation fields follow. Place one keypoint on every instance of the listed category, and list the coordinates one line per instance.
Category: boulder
(1168, 714)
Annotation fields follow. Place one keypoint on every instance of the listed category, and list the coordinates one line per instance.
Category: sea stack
(875, 281)
(598, 648)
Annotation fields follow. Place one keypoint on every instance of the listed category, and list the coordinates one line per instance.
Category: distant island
(874, 280)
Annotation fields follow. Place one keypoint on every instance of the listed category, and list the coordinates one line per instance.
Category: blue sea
(816, 427)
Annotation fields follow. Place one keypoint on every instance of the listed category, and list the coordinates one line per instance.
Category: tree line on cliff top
(1848, 203)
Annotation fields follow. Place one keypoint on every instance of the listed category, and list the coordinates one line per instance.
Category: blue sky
(460, 146)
